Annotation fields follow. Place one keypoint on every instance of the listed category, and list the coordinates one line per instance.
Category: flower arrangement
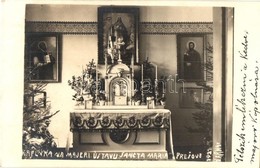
(137, 96)
(36, 119)
(162, 99)
(161, 90)
(85, 83)
(102, 95)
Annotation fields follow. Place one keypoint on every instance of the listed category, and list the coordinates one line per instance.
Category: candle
(155, 71)
(132, 60)
(156, 83)
(82, 91)
(142, 72)
(96, 82)
(96, 76)
(106, 64)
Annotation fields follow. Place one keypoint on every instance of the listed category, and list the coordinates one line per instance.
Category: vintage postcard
(159, 85)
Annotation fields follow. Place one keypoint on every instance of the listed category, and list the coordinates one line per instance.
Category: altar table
(123, 134)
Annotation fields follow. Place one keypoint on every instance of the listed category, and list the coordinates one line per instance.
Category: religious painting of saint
(190, 58)
(118, 35)
(43, 59)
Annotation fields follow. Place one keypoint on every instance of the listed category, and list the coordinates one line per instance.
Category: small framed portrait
(43, 57)
(118, 34)
(39, 99)
(189, 97)
(191, 57)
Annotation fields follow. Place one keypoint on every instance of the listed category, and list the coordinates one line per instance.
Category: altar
(123, 134)
(122, 115)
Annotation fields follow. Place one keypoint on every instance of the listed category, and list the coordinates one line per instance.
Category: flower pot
(137, 103)
(101, 102)
(150, 104)
(88, 104)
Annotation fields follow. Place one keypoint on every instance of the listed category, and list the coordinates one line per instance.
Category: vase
(87, 97)
(137, 103)
(101, 102)
(150, 103)
(88, 104)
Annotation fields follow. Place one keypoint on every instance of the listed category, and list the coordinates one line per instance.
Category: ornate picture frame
(112, 20)
(191, 57)
(43, 57)
(39, 99)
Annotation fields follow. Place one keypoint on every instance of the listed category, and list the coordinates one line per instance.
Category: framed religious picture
(191, 57)
(188, 97)
(118, 34)
(43, 57)
(39, 99)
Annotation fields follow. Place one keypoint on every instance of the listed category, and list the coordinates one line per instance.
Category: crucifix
(118, 44)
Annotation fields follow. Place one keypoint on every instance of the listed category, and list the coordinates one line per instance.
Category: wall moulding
(175, 27)
(61, 27)
(91, 28)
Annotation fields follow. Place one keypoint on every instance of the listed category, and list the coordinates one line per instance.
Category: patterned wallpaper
(145, 27)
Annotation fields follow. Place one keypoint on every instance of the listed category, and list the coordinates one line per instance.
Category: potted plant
(137, 98)
(102, 98)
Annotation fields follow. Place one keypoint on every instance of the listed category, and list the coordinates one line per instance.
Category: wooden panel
(147, 137)
(91, 138)
(120, 100)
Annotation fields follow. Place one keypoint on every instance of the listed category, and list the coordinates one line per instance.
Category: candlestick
(132, 75)
(96, 84)
(142, 85)
(156, 91)
(156, 72)
(106, 64)
(132, 61)
(142, 71)
(96, 76)
(82, 91)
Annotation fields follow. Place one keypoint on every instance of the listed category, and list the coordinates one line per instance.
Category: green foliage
(204, 116)
(36, 117)
(102, 95)
(85, 83)
(137, 96)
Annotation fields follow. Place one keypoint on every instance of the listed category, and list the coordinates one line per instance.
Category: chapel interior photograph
(110, 82)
